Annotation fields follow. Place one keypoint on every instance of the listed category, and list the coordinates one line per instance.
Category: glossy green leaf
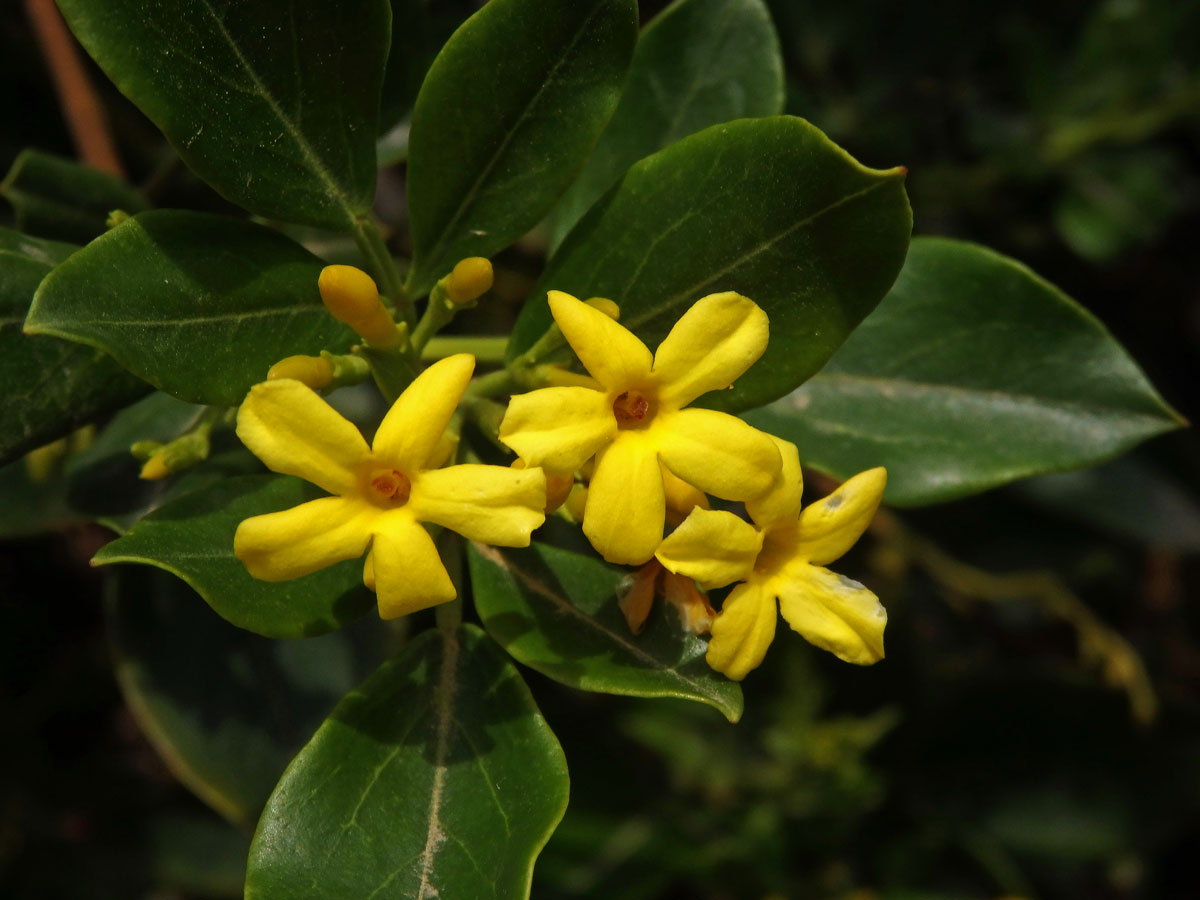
(226, 709)
(698, 63)
(62, 199)
(770, 208)
(274, 106)
(103, 482)
(200, 306)
(973, 372)
(51, 386)
(506, 117)
(192, 537)
(438, 777)
(555, 610)
(419, 28)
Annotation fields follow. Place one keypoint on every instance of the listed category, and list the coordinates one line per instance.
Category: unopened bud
(182, 453)
(115, 218)
(605, 306)
(41, 463)
(143, 450)
(469, 280)
(576, 502)
(351, 296)
(314, 371)
(155, 469)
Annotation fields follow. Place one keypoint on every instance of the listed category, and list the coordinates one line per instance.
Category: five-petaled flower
(382, 492)
(634, 420)
(783, 557)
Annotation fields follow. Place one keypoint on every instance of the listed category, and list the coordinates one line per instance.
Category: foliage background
(985, 757)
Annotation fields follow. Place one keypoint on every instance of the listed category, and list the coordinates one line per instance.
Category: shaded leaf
(556, 611)
(51, 386)
(226, 709)
(62, 199)
(437, 777)
(973, 372)
(275, 107)
(770, 208)
(505, 118)
(201, 306)
(698, 63)
(192, 537)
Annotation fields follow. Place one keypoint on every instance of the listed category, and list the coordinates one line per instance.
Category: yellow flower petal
(714, 342)
(714, 547)
(410, 433)
(559, 428)
(834, 612)
(626, 507)
(781, 502)
(742, 631)
(718, 453)
(295, 432)
(829, 527)
(610, 352)
(491, 504)
(409, 574)
(682, 497)
(298, 541)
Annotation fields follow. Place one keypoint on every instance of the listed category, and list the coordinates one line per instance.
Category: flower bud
(605, 306)
(314, 371)
(351, 296)
(469, 280)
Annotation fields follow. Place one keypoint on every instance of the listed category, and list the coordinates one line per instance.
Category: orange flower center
(390, 486)
(633, 410)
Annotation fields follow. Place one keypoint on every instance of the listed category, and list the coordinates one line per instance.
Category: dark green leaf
(198, 855)
(556, 611)
(504, 120)
(62, 199)
(274, 106)
(769, 208)
(51, 386)
(973, 372)
(419, 28)
(226, 709)
(438, 777)
(699, 63)
(201, 306)
(192, 537)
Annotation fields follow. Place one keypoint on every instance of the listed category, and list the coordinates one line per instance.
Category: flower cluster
(627, 428)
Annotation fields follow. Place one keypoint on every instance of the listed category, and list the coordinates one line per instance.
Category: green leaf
(226, 709)
(438, 777)
(192, 537)
(770, 208)
(506, 117)
(51, 386)
(62, 199)
(276, 108)
(419, 28)
(698, 63)
(556, 611)
(201, 306)
(973, 372)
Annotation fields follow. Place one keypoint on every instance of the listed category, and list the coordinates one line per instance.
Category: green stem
(486, 386)
(438, 311)
(546, 345)
(374, 249)
(485, 348)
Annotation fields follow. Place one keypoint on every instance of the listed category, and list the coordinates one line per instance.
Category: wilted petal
(718, 453)
(610, 352)
(558, 428)
(626, 507)
(409, 574)
(714, 342)
(298, 541)
(409, 436)
(714, 547)
(490, 504)
(829, 527)
(781, 501)
(742, 631)
(834, 612)
(291, 429)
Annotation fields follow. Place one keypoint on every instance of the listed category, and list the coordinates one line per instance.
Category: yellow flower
(783, 557)
(634, 418)
(382, 492)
